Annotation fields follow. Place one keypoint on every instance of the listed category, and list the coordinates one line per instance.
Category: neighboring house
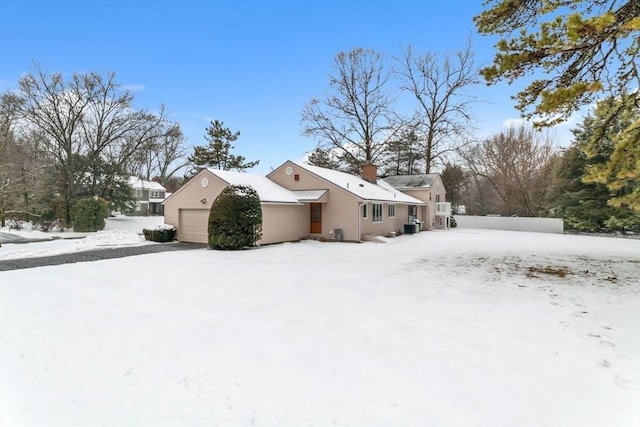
(429, 189)
(149, 196)
(298, 201)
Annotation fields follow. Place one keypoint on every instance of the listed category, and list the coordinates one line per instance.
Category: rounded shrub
(88, 214)
(235, 219)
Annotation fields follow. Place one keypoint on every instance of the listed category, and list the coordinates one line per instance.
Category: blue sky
(251, 64)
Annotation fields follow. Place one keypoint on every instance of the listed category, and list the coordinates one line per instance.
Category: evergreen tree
(404, 155)
(324, 158)
(454, 179)
(217, 154)
(583, 202)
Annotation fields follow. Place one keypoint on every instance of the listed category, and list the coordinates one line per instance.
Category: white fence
(539, 225)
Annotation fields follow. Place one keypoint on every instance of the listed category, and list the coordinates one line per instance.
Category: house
(429, 189)
(299, 201)
(149, 196)
(347, 205)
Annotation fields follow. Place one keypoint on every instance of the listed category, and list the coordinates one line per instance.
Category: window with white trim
(154, 194)
(364, 210)
(392, 210)
(377, 212)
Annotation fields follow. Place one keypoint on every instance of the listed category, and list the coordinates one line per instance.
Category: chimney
(370, 173)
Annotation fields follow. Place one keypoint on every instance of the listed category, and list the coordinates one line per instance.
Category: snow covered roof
(136, 182)
(360, 187)
(411, 181)
(269, 191)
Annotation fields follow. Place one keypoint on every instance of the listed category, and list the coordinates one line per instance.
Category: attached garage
(284, 217)
(192, 225)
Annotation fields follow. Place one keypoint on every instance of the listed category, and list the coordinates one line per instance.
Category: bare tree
(441, 88)
(171, 154)
(86, 121)
(157, 154)
(516, 164)
(163, 156)
(354, 118)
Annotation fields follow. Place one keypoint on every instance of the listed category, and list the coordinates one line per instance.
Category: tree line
(62, 140)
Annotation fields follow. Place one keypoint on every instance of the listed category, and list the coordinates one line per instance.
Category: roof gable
(268, 191)
(360, 187)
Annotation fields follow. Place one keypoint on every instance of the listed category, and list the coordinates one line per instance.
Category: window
(392, 211)
(364, 210)
(138, 192)
(437, 198)
(377, 212)
(154, 194)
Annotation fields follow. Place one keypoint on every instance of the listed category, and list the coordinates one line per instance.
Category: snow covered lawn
(445, 328)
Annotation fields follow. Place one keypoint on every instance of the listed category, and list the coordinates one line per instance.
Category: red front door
(316, 218)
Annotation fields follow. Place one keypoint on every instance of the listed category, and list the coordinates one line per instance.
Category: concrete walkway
(95, 255)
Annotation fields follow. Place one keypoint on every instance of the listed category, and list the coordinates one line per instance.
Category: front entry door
(316, 218)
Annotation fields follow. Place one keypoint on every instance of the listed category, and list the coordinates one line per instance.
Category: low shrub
(47, 221)
(162, 233)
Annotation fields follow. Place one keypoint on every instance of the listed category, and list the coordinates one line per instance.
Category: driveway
(93, 255)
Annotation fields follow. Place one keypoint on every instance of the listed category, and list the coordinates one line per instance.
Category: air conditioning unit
(443, 209)
(338, 234)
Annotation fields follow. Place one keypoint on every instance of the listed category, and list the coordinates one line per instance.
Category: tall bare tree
(517, 163)
(354, 117)
(441, 86)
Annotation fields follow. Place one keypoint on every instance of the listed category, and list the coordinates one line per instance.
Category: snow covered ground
(119, 231)
(444, 328)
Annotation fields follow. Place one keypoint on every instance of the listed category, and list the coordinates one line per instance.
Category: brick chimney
(370, 173)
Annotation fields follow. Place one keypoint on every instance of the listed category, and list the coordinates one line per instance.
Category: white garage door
(193, 225)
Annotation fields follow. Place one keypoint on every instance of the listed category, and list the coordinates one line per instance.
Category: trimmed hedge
(162, 233)
(235, 219)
